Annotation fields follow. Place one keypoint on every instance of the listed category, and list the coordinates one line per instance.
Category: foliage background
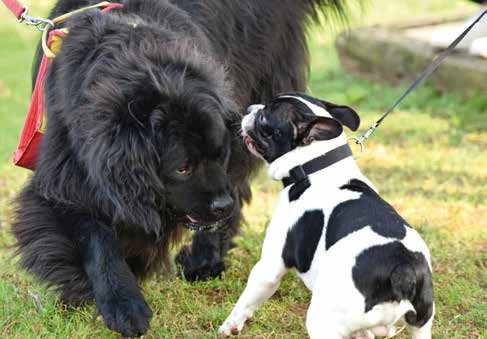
(428, 160)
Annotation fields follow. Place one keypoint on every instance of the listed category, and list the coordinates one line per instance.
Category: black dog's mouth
(197, 225)
(193, 223)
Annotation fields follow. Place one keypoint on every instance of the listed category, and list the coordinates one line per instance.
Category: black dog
(143, 108)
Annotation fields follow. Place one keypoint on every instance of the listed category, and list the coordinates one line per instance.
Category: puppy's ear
(319, 128)
(346, 115)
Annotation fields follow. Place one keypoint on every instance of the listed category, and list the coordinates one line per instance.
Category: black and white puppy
(366, 267)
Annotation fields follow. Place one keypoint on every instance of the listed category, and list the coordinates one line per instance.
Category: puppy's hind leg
(423, 332)
(321, 325)
(262, 283)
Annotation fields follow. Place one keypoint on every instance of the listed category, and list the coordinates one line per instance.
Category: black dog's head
(150, 117)
(194, 148)
(293, 120)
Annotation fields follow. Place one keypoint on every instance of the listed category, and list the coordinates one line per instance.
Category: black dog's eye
(184, 170)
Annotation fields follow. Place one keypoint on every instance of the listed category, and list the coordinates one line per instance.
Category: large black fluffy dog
(143, 110)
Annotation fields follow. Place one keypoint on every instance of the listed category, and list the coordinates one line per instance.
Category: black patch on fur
(298, 189)
(302, 240)
(369, 210)
(346, 115)
(391, 272)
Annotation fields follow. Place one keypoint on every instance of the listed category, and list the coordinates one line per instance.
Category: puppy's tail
(412, 281)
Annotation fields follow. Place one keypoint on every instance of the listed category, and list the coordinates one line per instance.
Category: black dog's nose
(222, 205)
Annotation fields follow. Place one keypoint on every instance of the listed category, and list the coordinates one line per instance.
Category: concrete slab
(398, 54)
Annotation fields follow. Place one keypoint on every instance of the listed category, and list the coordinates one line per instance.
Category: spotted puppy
(366, 267)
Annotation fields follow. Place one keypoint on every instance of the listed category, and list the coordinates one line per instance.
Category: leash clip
(368, 133)
(358, 141)
(40, 23)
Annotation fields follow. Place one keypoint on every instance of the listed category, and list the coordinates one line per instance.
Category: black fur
(391, 272)
(369, 210)
(143, 109)
(345, 114)
(302, 240)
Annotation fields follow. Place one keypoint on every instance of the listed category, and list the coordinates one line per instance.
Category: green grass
(428, 160)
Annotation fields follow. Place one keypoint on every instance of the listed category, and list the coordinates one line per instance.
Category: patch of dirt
(216, 297)
(298, 309)
(4, 90)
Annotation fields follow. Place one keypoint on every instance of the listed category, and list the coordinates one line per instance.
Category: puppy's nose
(222, 206)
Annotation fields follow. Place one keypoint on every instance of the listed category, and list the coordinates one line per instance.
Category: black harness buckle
(298, 174)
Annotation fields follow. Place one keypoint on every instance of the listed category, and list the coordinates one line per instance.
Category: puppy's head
(293, 120)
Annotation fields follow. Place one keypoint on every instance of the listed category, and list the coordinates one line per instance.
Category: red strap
(111, 6)
(15, 7)
(26, 153)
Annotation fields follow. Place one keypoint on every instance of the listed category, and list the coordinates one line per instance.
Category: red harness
(15, 7)
(27, 150)
(26, 153)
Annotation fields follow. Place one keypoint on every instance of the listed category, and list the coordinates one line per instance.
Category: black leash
(298, 176)
(431, 68)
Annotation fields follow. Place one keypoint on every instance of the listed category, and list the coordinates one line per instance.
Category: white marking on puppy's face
(248, 123)
(317, 110)
(249, 119)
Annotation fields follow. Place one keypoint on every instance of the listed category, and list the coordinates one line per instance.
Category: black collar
(300, 173)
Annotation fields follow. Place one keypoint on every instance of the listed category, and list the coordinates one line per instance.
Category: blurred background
(428, 159)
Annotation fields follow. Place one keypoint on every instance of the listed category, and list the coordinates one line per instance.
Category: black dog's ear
(319, 128)
(346, 115)
(122, 165)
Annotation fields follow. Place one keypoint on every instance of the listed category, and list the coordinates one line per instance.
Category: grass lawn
(428, 160)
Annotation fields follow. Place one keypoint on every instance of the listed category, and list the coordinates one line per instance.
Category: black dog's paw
(130, 316)
(193, 271)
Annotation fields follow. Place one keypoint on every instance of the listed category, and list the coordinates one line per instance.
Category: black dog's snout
(222, 206)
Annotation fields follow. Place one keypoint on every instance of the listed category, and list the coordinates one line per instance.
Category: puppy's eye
(184, 169)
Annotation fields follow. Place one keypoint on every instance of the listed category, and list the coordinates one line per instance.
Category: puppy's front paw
(229, 328)
(232, 326)
(130, 316)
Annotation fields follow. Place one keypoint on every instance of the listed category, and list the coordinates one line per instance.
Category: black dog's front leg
(117, 295)
(204, 259)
